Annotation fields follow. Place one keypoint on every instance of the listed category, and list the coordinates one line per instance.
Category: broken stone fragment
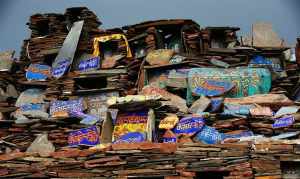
(26, 111)
(11, 156)
(36, 114)
(6, 60)
(265, 36)
(261, 111)
(42, 146)
(30, 96)
(262, 99)
(3, 95)
(11, 91)
(21, 119)
(110, 62)
(174, 100)
(200, 105)
(287, 110)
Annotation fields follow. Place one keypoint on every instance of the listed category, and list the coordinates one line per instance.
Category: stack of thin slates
(155, 160)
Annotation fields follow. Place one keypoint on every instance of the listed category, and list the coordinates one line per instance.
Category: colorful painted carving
(60, 69)
(89, 64)
(38, 72)
(64, 108)
(189, 125)
(131, 137)
(213, 88)
(129, 122)
(87, 136)
(168, 122)
(283, 122)
(247, 81)
(209, 135)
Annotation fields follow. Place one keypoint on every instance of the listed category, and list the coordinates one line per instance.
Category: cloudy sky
(283, 14)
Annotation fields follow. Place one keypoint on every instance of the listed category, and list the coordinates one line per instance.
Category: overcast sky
(283, 14)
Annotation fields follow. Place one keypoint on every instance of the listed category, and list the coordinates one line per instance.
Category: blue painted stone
(90, 64)
(31, 107)
(262, 61)
(215, 104)
(210, 135)
(87, 136)
(189, 125)
(67, 106)
(38, 72)
(283, 122)
(131, 137)
(61, 68)
(87, 119)
(169, 140)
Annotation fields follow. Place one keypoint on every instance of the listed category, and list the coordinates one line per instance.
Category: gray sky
(283, 14)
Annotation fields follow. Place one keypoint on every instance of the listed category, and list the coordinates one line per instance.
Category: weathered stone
(42, 146)
(265, 36)
(3, 171)
(174, 100)
(273, 147)
(12, 156)
(90, 163)
(178, 177)
(68, 153)
(262, 99)
(38, 159)
(75, 174)
(269, 177)
(30, 96)
(159, 57)
(87, 152)
(200, 105)
(6, 60)
(265, 165)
